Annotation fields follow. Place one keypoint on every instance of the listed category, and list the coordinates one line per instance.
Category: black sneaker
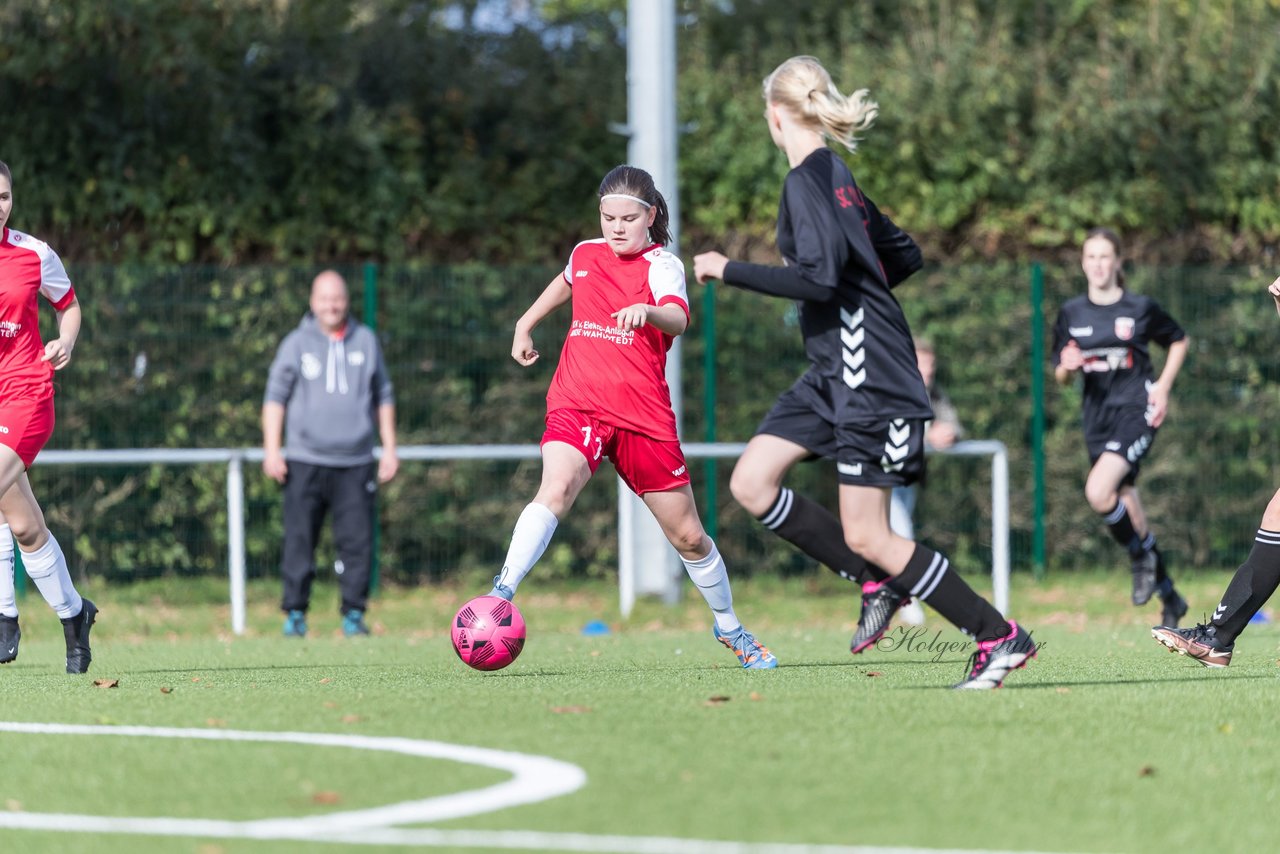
(1144, 577)
(76, 631)
(1174, 606)
(879, 603)
(9, 635)
(1200, 642)
(995, 659)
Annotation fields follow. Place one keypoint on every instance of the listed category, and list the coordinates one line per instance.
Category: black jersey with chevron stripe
(858, 341)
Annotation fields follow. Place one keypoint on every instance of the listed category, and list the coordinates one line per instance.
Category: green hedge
(244, 130)
(177, 357)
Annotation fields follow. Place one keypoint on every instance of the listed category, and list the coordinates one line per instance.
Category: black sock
(1121, 528)
(929, 577)
(1250, 588)
(814, 530)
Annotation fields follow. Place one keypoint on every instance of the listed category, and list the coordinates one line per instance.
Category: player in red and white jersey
(616, 373)
(29, 269)
(609, 396)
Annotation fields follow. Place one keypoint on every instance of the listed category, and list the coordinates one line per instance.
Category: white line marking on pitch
(530, 840)
(534, 778)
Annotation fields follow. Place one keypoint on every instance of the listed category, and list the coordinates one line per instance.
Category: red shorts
(25, 425)
(644, 464)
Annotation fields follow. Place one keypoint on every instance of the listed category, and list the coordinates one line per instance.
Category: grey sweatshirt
(331, 390)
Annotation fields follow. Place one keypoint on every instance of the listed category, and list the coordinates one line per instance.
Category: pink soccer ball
(488, 633)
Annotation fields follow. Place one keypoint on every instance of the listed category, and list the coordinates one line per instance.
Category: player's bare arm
(554, 295)
(1158, 397)
(669, 318)
(58, 351)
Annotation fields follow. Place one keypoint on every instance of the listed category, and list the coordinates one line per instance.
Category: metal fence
(175, 358)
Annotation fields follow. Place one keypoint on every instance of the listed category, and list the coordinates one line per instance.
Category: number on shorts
(586, 443)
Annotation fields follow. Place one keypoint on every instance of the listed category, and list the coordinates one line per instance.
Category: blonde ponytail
(805, 88)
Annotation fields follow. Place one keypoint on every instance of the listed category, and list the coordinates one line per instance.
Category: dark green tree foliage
(1007, 127)
(248, 129)
(243, 130)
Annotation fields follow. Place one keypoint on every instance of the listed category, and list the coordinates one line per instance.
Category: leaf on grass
(717, 700)
(166, 690)
(570, 710)
(875, 673)
(1146, 771)
(215, 722)
(1225, 729)
(13, 805)
(755, 695)
(326, 798)
(1062, 689)
(595, 653)
(106, 683)
(329, 704)
(325, 681)
(351, 719)
(195, 678)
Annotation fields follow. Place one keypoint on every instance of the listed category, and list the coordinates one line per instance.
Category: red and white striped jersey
(618, 376)
(28, 267)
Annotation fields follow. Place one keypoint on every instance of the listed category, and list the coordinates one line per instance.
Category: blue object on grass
(596, 627)
(1259, 617)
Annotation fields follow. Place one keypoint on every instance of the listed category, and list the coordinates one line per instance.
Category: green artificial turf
(1105, 743)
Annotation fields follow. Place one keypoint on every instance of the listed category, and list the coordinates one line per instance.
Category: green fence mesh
(177, 357)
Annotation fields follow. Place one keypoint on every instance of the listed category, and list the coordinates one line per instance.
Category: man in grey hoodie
(327, 392)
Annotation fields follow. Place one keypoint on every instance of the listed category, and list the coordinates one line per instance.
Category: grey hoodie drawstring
(337, 356)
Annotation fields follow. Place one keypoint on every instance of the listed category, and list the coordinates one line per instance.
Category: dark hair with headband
(1114, 239)
(637, 183)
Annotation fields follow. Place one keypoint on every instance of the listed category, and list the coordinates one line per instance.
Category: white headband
(625, 196)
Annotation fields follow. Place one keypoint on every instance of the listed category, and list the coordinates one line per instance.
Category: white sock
(528, 541)
(47, 567)
(712, 580)
(8, 597)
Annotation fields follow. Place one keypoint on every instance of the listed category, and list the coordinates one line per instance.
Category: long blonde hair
(804, 87)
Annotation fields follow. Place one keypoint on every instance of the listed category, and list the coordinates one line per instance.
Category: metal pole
(646, 561)
(709, 403)
(1000, 530)
(235, 541)
(1037, 419)
(19, 573)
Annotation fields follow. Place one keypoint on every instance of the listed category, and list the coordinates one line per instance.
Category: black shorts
(886, 453)
(1120, 431)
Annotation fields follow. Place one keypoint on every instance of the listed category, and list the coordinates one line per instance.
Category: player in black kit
(1105, 335)
(862, 401)
(1257, 578)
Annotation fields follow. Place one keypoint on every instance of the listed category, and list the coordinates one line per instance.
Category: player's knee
(690, 542)
(29, 533)
(1102, 498)
(1271, 518)
(557, 496)
(867, 544)
(754, 493)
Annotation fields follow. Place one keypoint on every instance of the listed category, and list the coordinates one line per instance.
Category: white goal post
(235, 458)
